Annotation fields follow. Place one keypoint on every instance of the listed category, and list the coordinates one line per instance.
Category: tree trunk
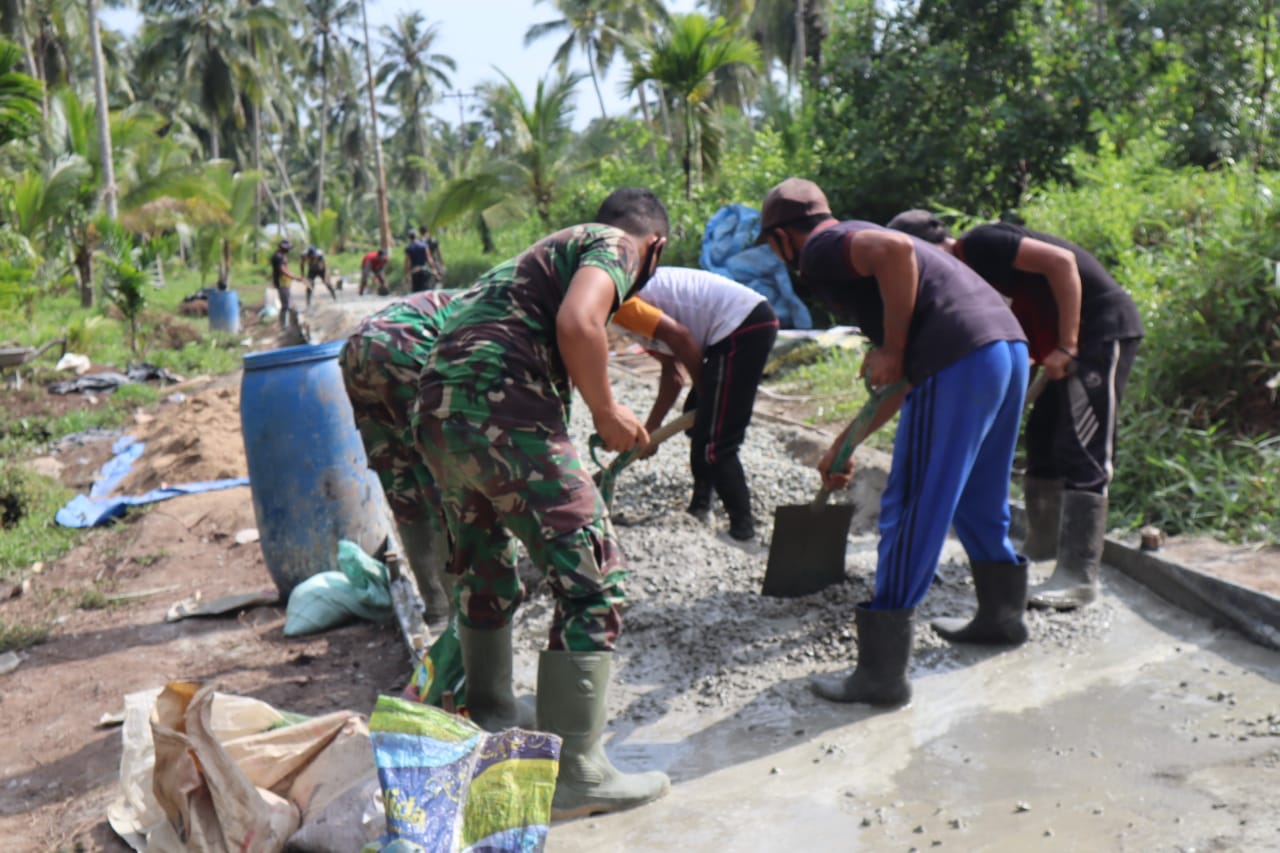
(33, 68)
(595, 81)
(384, 214)
(104, 117)
(324, 124)
(797, 49)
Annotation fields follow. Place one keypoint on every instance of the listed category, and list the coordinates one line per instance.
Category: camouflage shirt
(496, 360)
(409, 326)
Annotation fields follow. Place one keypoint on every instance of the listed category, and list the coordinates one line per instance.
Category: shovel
(607, 479)
(806, 553)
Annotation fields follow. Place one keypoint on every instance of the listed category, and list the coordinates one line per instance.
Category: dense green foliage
(1143, 129)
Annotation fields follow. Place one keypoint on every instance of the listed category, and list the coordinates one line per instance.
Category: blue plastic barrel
(224, 311)
(307, 468)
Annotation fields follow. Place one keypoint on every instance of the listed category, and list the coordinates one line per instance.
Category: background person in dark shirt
(435, 259)
(280, 280)
(419, 275)
(313, 268)
(935, 323)
(1084, 330)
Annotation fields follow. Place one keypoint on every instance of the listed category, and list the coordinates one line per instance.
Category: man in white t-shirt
(729, 329)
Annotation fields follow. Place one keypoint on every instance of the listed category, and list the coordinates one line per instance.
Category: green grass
(29, 532)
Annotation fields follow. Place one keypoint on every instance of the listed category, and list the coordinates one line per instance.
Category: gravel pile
(698, 635)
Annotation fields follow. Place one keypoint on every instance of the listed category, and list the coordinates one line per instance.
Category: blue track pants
(951, 461)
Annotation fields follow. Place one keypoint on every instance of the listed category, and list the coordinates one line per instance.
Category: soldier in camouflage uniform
(491, 421)
(380, 367)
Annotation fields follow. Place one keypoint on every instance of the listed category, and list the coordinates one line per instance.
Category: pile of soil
(190, 442)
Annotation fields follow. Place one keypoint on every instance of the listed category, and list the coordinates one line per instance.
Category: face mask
(648, 266)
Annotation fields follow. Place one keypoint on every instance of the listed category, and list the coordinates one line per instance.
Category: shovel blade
(806, 553)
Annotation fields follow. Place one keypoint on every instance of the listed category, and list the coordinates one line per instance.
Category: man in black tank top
(937, 326)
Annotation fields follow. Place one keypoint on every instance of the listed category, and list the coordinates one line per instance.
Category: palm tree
(210, 45)
(384, 216)
(685, 60)
(20, 96)
(104, 118)
(534, 155)
(585, 24)
(410, 70)
(788, 31)
(328, 18)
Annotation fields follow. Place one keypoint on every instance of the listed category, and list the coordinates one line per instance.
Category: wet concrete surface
(1159, 734)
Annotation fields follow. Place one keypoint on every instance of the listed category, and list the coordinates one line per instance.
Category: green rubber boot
(1002, 598)
(572, 690)
(427, 552)
(884, 651)
(1043, 499)
(1074, 582)
(491, 700)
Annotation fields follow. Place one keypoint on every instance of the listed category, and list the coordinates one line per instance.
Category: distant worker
(380, 366)
(371, 267)
(314, 268)
(433, 251)
(281, 279)
(419, 270)
(1084, 331)
(730, 329)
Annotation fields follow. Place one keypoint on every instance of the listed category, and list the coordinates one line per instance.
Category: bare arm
(681, 343)
(584, 347)
(669, 386)
(890, 256)
(1059, 268)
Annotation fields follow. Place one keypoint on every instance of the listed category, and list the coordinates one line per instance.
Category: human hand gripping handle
(620, 429)
(836, 465)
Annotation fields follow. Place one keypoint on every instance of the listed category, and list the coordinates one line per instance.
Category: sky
(479, 35)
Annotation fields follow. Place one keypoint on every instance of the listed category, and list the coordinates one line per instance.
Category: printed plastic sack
(328, 599)
(449, 786)
(439, 678)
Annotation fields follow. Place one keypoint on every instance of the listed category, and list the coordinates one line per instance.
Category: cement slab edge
(1254, 614)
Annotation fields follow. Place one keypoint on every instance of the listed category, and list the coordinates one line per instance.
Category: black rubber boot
(491, 700)
(1002, 597)
(884, 651)
(1043, 499)
(731, 485)
(572, 692)
(1074, 582)
(700, 504)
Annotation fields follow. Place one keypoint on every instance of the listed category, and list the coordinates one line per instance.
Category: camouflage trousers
(534, 485)
(381, 383)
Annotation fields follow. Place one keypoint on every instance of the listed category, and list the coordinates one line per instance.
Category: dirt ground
(1130, 726)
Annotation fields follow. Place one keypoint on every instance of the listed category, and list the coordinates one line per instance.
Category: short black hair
(635, 210)
(922, 224)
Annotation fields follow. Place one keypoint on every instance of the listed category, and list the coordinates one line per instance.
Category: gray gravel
(697, 634)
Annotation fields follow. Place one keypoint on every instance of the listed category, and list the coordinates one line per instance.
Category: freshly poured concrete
(1160, 734)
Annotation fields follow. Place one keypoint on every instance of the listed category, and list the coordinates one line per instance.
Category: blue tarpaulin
(100, 505)
(727, 250)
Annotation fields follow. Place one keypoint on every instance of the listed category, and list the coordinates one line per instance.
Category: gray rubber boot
(491, 700)
(884, 651)
(572, 691)
(1043, 499)
(427, 552)
(1002, 597)
(1074, 582)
